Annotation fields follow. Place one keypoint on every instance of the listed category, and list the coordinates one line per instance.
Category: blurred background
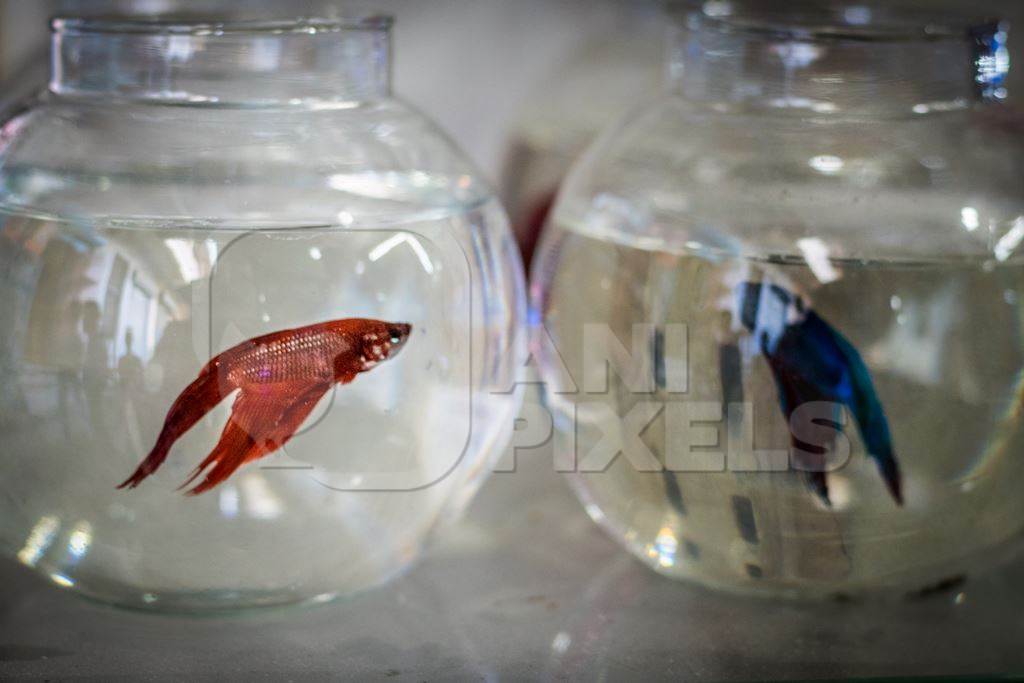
(521, 85)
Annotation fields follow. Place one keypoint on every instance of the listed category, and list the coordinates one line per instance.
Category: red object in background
(528, 234)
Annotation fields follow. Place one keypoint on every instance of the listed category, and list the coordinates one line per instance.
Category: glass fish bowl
(778, 309)
(259, 316)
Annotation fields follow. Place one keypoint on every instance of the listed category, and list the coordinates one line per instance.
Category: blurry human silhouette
(129, 367)
(70, 350)
(130, 380)
(96, 367)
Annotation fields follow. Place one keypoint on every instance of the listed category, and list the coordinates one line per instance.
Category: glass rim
(792, 23)
(206, 26)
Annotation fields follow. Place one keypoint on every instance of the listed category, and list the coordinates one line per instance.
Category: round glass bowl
(788, 297)
(187, 214)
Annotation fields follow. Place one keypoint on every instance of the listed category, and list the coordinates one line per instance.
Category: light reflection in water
(561, 642)
(1009, 242)
(188, 264)
(61, 580)
(39, 540)
(970, 219)
(390, 243)
(260, 502)
(228, 501)
(666, 546)
(80, 540)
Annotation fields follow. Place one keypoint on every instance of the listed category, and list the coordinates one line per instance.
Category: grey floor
(526, 587)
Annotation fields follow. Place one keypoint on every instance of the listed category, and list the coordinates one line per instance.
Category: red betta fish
(280, 377)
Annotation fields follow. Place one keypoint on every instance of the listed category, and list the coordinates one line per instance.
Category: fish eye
(395, 338)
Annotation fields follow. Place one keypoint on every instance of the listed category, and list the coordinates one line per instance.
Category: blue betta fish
(812, 362)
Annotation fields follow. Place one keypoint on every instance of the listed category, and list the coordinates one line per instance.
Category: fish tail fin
(870, 417)
(227, 456)
(818, 481)
(192, 404)
(890, 471)
(259, 425)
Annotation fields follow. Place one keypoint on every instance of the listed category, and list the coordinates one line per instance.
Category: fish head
(398, 333)
(384, 340)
